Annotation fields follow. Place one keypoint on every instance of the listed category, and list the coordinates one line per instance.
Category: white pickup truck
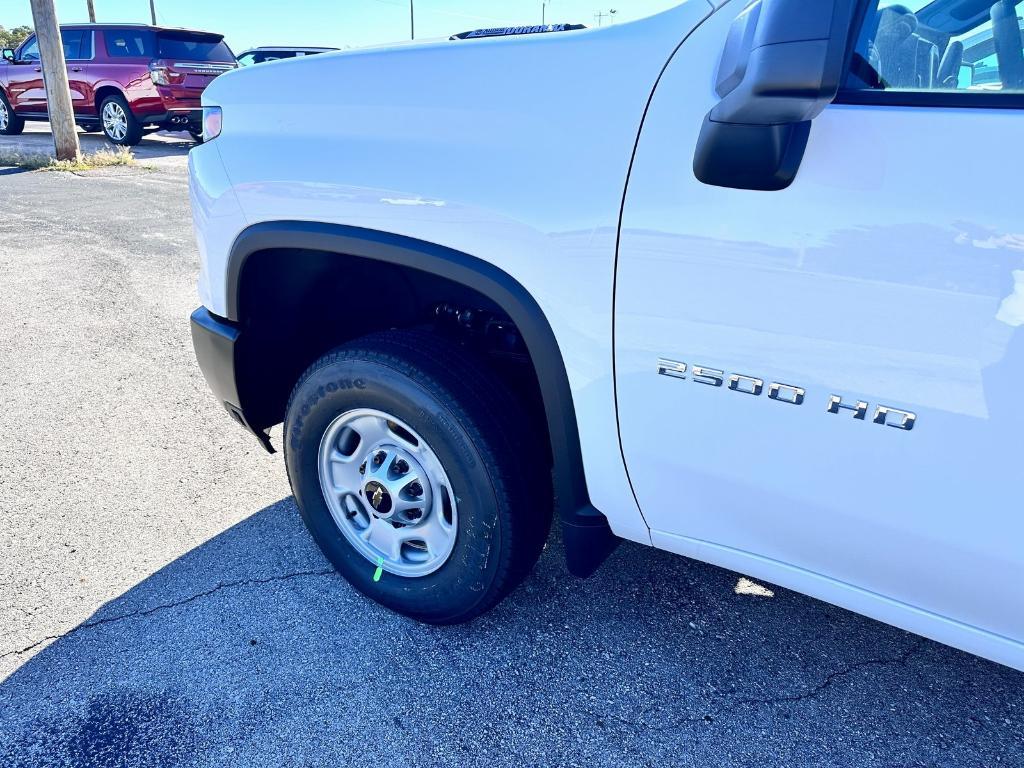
(742, 281)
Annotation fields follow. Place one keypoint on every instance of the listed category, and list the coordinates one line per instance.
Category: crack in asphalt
(730, 707)
(817, 690)
(811, 693)
(142, 613)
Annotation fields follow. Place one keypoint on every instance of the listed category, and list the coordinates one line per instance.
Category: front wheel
(415, 473)
(119, 125)
(10, 123)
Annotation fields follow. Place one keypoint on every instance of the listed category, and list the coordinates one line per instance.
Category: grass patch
(101, 158)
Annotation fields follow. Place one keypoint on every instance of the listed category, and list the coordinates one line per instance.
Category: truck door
(25, 79)
(28, 90)
(823, 385)
(78, 53)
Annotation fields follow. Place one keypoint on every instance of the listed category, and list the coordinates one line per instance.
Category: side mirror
(9, 54)
(782, 65)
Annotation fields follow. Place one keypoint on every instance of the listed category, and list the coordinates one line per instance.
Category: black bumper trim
(193, 116)
(216, 344)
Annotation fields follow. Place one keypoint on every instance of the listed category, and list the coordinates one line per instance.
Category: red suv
(125, 79)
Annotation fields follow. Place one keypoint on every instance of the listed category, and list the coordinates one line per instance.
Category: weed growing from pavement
(101, 158)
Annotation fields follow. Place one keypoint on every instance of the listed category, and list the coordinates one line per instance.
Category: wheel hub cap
(398, 489)
(379, 499)
(115, 122)
(388, 493)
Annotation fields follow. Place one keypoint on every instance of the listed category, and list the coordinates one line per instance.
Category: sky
(337, 23)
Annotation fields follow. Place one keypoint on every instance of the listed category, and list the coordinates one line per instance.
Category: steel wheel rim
(370, 465)
(4, 117)
(115, 122)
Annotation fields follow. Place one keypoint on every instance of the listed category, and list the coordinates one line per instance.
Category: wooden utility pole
(55, 78)
(92, 12)
(152, 11)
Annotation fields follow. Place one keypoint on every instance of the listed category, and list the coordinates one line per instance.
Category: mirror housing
(782, 65)
(8, 54)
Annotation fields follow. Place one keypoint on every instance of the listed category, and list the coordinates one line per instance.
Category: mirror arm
(781, 66)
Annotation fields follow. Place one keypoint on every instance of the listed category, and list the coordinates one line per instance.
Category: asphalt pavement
(162, 605)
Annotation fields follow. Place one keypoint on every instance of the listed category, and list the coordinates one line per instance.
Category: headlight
(213, 121)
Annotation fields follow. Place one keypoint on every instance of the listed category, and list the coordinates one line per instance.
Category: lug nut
(415, 489)
(401, 466)
(414, 514)
(378, 458)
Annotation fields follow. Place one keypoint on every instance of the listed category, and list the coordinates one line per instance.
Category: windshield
(193, 47)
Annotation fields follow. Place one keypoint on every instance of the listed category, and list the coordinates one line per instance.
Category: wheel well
(295, 305)
(295, 289)
(104, 92)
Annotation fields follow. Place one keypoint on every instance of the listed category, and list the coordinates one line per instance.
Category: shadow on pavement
(250, 651)
(164, 145)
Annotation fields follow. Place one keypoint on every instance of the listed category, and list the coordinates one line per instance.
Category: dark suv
(268, 53)
(125, 79)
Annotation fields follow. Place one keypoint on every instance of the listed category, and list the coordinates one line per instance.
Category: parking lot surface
(161, 603)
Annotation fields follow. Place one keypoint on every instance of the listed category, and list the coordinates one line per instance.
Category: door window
(127, 43)
(926, 47)
(31, 51)
(85, 50)
(77, 43)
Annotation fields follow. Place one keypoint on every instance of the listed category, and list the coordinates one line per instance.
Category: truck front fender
(588, 539)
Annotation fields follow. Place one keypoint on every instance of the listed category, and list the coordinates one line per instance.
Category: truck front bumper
(216, 344)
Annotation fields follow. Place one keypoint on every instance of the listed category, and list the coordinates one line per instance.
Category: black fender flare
(588, 539)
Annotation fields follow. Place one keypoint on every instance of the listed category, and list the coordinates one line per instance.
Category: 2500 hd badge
(784, 393)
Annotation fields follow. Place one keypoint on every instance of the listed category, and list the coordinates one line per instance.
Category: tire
(90, 127)
(120, 126)
(10, 123)
(197, 136)
(499, 496)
